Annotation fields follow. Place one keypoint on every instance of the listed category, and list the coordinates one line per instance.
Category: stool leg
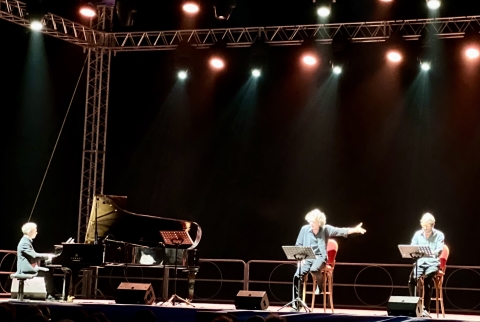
(324, 289)
(436, 295)
(21, 284)
(440, 297)
(330, 290)
(305, 281)
(313, 292)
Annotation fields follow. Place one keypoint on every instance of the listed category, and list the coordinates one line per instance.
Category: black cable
(58, 139)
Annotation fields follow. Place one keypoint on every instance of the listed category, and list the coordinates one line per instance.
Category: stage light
(425, 66)
(182, 60)
(88, 10)
(223, 8)
(126, 11)
(182, 74)
(337, 70)
(472, 53)
(36, 25)
(309, 59)
(36, 11)
(256, 72)
(190, 7)
(324, 11)
(433, 4)
(394, 56)
(217, 63)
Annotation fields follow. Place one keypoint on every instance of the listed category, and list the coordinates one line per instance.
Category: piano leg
(166, 279)
(67, 281)
(192, 272)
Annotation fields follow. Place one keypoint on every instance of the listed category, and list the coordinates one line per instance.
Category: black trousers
(313, 266)
(48, 276)
(427, 286)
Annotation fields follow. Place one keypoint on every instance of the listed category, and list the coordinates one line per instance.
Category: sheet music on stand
(299, 252)
(415, 251)
(175, 238)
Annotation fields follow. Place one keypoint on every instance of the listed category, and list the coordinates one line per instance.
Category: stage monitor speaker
(251, 300)
(33, 289)
(405, 305)
(135, 293)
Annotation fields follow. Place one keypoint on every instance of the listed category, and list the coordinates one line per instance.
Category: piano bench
(21, 283)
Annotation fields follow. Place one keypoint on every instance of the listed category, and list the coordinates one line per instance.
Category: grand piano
(125, 238)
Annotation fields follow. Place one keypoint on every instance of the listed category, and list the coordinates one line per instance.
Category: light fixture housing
(190, 7)
(472, 52)
(256, 72)
(36, 25)
(324, 7)
(425, 66)
(394, 56)
(88, 10)
(223, 8)
(182, 74)
(433, 4)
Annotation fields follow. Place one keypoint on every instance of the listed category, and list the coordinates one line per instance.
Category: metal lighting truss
(53, 25)
(99, 44)
(95, 133)
(95, 124)
(454, 27)
(449, 27)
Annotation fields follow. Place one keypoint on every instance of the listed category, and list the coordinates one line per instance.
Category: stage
(205, 312)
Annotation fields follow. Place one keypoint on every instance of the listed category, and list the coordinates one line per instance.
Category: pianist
(28, 259)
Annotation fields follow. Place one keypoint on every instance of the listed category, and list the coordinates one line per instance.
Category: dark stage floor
(205, 312)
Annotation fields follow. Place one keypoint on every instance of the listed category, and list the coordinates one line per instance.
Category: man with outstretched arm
(316, 235)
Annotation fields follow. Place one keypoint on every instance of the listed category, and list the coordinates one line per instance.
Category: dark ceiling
(167, 14)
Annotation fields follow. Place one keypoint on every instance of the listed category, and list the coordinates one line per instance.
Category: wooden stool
(327, 274)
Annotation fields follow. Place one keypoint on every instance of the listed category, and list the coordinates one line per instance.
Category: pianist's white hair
(427, 218)
(316, 215)
(28, 227)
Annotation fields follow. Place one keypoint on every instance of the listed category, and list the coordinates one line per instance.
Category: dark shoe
(51, 299)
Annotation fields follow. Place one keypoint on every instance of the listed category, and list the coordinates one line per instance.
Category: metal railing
(356, 285)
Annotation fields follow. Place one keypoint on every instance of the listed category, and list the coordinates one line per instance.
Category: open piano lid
(118, 224)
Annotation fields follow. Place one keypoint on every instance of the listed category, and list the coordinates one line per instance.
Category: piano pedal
(70, 299)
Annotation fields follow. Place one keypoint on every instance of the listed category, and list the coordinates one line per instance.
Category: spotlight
(36, 11)
(36, 25)
(182, 74)
(88, 10)
(324, 11)
(182, 60)
(256, 72)
(337, 70)
(472, 53)
(425, 66)
(394, 56)
(190, 7)
(309, 59)
(223, 8)
(217, 63)
(258, 56)
(433, 4)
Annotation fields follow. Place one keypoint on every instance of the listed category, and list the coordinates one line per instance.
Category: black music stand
(416, 252)
(176, 238)
(298, 253)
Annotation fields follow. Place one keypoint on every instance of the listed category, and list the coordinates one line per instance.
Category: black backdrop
(247, 159)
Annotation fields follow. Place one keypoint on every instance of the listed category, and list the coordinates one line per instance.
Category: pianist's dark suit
(28, 262)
